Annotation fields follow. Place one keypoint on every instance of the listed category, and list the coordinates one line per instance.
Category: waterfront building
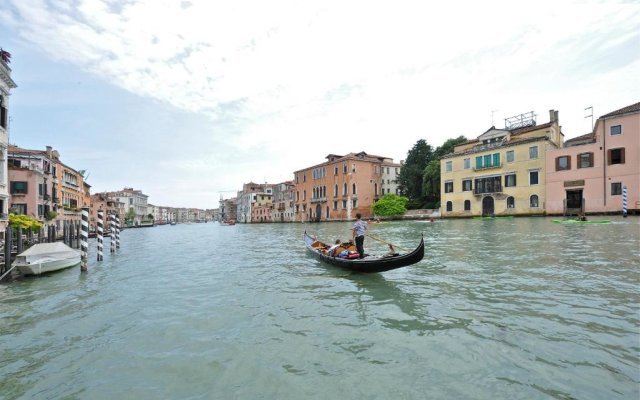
(502, 171)
(252, 194)
(133, 200)
(588, 174)
(228, 209)
(338, 188)
(31, 183)
(108, 205)
(390, 174)
(6, 84)
(283, 208)
(70, 192)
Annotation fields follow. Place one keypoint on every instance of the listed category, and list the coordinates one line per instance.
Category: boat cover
(54, 250)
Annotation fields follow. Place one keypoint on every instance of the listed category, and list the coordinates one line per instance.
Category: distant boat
(496, 217)
(173, 222)
(575, 221)
(228, 222)
(46, 257)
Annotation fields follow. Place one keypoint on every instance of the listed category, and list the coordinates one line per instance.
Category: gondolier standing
(359, 229)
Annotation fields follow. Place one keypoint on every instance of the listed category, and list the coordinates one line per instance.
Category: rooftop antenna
(587, 116)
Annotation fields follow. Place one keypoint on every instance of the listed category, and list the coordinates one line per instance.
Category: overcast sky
(187, 100)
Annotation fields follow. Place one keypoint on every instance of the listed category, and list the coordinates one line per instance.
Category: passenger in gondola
(332, 248)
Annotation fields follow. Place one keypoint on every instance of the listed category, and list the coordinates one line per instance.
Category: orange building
(339, 188)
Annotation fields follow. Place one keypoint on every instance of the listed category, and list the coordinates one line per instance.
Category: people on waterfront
(359, 229)
(582, 217)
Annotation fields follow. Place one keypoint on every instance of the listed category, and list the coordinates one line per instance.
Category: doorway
(573, 202)
(488, 208)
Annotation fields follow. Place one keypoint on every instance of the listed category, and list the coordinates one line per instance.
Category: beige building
(339, 188)
(502, 171)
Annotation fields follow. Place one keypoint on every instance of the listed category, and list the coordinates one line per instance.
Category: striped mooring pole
(117, 232)
(112, 233)
(624, 201)
(84, 236)
(100, 233)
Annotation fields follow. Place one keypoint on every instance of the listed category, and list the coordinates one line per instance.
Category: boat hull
(368, 264)
(38, 267)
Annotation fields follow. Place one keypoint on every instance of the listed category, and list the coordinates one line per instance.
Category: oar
(384, 241)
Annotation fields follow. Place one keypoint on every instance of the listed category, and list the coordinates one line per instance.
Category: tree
(411, 174)
(431, 173)
(130, 215)
(24, 222)
(389, 205)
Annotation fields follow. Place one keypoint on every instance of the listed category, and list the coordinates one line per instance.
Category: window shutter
(496, 159)
(622, 155)
(608, 157)
(591, 159)
(557, 163)
(479, 162)
(568, 162)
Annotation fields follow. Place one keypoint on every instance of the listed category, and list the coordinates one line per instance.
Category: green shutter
(487, 160)
(479, 162)
(496, 159)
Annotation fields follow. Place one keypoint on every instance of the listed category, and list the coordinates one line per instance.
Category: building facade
(133, 200)
(31, 183)
(6, 84)
(339, 188)
(589, 173)
(390, 174)
(283, 207)
(502, 172)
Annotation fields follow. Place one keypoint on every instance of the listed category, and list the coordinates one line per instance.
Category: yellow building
(502, 172)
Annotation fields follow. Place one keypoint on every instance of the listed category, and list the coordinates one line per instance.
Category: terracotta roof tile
(624, 110)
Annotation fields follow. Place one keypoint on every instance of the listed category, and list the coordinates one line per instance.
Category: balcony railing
(318, 199)
(487, 167)
(495, 188)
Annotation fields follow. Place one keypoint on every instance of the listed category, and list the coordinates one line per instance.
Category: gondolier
(359, 229)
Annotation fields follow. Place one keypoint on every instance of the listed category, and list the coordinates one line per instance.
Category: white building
(6, 84)
(390, 174)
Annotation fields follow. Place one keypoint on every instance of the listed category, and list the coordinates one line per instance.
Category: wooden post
(99, 235)
(112, 228)
(7, 248)
(19, 238)
(84, 243)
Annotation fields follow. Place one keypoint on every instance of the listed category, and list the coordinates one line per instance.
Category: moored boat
(46, 257)
(577, 221)
(368, 264)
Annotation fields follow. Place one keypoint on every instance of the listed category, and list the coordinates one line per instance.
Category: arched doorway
(318, 213)
(488, 208)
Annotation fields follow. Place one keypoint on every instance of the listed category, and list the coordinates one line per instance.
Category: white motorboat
(46, 257)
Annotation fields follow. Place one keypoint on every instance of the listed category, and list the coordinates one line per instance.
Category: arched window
(533, 201)
(511, 202)
(344, 189)
(449, 206)
(467, 205)
(353, 189)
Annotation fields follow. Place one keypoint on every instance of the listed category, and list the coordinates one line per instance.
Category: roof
(351, 156)
(510, 143)
(624, 110)
(582, 139)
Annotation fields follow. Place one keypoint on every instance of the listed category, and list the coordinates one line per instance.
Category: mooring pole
(99, 236)
(112, 233)
(19, 244)
(84, 243)
(624, 201)
(117, 232)
(7, 248)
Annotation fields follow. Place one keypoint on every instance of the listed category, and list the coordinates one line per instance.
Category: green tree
(130, 216)
(411, 174)
(389, 205)
(431, 173)
(24, 222)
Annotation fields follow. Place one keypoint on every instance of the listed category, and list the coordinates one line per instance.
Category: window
(344, 189)
(533, 152)
(344, 204)
(353, 168)
(18, 187)
(616, 188)
(336, 171)
(448, 166)
(335, 190)
(585, 160)
(616, 156)
(466, 185)
(496, 159)
(510, 156)
(479, 162)
(304, 195)
(533, 177)
(344, 167)
(353, 189)
(563, 163)
(467, 205)
(304, 178)
(488, 185)
(20, 208)
(510, 180)
(511, 202)
(355, 203)
(448, 187)
(616, 130)
(467, 163)
(449, 206)
(533, 201)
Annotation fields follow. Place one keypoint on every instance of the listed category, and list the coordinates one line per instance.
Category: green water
(499, 309)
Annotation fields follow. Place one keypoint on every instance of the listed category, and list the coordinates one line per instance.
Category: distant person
(582, 217)
(359, 229)
(333, 247)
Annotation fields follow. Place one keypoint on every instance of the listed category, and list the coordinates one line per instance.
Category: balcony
(487, 167)
(318, 200)
(488, 189)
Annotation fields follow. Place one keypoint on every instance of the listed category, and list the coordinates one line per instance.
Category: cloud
(284, 83)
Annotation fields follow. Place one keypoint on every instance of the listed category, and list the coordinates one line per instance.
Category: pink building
(590, 172)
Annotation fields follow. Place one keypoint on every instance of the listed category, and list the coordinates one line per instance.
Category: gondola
(367, 264)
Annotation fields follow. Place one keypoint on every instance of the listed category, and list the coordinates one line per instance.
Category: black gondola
(367, 264)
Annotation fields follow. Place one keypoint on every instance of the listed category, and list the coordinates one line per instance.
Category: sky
(188, 100)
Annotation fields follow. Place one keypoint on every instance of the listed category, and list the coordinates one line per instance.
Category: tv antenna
(591, 115)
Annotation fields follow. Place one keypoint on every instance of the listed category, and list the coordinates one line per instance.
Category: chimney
(555, 114)
(552, 115)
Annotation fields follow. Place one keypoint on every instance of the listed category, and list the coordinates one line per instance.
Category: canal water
(498, 309)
